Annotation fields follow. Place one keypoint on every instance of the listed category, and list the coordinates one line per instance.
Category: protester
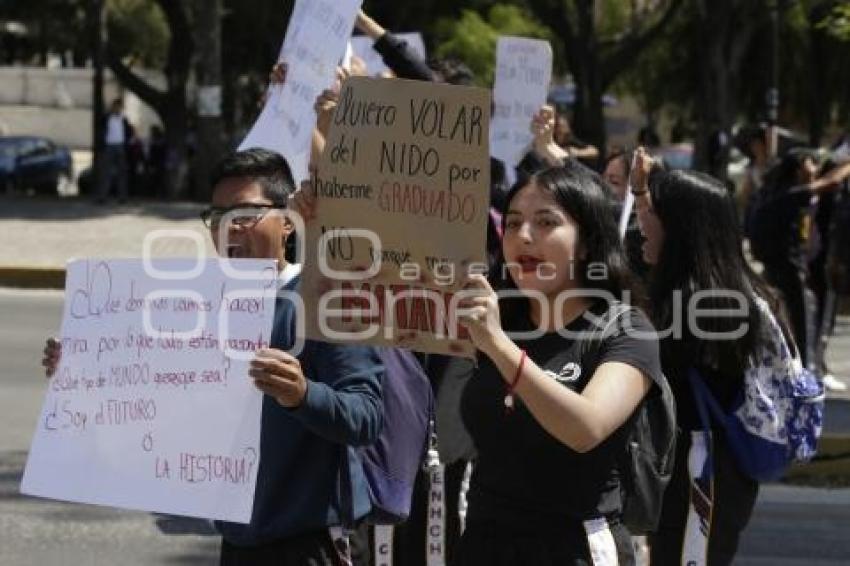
(326, 398)
(549, 424)
(780, 230)
(118, 135)
(401, 59)
(830, 266)
(693, 243)
(618, 165)
(826, 303)
(754, 144)
(544, 151)
(447, 373)
(564, 137)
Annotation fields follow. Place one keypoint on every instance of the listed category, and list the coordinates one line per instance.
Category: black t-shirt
(523, 475)
(777, 223)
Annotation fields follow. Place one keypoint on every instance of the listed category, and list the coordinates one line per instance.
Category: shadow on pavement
(204, 554)
(174, 525)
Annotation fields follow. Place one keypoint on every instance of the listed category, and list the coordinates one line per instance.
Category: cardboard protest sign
(151, 407)
(523, 74)
(375, 67)
(315, 43)
(403, 200)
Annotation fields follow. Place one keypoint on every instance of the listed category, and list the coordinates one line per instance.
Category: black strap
(346, 495)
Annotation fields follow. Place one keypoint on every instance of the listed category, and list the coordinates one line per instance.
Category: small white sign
(209, 101)
(151, 407)
(523, 74)
(315, 44)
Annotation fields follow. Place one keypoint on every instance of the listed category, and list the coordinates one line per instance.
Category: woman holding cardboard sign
(550, 414)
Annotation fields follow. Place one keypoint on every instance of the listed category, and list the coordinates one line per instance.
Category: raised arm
(580, 421)
(831, 180)
(543, 129)
(396, 53)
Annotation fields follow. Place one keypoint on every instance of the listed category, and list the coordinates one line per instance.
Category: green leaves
(473, 39)
(837, 23)
(138, 30)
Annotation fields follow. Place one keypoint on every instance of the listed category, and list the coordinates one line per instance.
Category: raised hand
(52, 355)
(478, 311)
(543, 129)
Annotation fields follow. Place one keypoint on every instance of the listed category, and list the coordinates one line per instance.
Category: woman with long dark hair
(693, 243)
(550, 418)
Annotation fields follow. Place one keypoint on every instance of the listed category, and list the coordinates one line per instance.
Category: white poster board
(523, 74)
(315, 44)
(151, 407)
(375, 67)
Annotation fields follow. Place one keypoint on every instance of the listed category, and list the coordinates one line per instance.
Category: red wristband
(509, 394)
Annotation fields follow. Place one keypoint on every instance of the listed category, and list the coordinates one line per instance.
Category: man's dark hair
(268, 168)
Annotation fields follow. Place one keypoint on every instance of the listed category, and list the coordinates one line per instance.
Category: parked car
(677, 156)
(30, 162)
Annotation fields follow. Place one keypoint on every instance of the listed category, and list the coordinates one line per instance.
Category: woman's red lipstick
(528, 263)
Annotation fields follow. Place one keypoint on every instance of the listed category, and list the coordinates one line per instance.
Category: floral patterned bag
(778, 417)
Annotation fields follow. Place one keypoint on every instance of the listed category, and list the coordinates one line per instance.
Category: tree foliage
(837, 23)
(814, 66)
(706, 62)
(473, 38)
(138, 31)
(53, 26)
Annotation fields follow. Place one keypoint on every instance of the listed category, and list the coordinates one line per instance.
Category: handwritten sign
(523, 74)
(363, 48)
(151, 407)
(315, 43)
(403, 197)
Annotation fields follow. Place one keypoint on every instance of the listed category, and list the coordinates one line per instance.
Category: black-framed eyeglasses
(242, 215)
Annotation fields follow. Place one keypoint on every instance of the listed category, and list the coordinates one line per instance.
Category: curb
(829, 468)
(32, 277)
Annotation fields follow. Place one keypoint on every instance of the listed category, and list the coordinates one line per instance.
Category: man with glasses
(327, 398)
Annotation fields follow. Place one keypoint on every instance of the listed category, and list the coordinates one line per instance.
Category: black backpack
(647, 464)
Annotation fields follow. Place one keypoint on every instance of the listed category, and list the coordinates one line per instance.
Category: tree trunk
(713, 123)
(97, 26)
(589, 117)
(210, 131)
(176, 125)
(822, 67)
(595, 66)
(725, 28)
(170, 105)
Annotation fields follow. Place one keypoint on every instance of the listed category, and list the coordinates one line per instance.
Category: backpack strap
(345, 489)
(706, 404)
(591, 344)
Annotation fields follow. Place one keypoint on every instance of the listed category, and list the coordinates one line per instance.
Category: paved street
(792, 526)
(36, 532)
